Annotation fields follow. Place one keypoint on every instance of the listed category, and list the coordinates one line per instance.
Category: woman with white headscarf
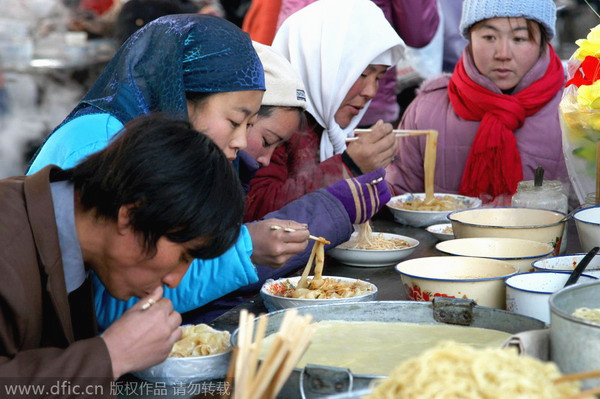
(340, 49)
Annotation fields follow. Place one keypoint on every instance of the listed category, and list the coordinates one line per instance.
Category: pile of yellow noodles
(444, 203)
(325, 288)
(588, 314)
(452, 370)
(200, 340)
(368, 240)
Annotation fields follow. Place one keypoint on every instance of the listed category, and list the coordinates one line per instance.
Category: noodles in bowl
(366, 239)
(368, 249)
(285, 293)
(411, 209)
(201, 354)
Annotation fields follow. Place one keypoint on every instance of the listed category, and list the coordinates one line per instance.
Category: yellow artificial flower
(595, 121)
(589, 46)
(588, 96)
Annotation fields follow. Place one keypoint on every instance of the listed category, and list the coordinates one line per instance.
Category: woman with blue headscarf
(195, 67)
(156, 70)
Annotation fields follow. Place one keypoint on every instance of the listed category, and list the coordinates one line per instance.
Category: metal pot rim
(566, 291)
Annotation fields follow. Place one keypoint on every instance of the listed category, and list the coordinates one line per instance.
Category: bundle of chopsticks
(252, 380)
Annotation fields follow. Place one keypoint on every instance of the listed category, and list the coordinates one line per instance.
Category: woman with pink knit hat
(497, 114)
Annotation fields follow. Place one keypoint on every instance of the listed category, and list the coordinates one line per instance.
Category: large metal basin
(574, 342)
(316, 381)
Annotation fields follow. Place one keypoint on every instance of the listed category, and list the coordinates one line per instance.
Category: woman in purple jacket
(497, 114)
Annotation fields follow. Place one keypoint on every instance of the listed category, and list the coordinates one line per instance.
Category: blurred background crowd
(52, 50)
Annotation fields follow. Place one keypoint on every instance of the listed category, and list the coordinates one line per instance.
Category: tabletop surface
(387, 279)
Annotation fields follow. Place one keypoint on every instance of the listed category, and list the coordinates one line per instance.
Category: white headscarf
(330, 43)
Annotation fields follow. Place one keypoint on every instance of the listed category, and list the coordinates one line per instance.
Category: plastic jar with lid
(549, 195)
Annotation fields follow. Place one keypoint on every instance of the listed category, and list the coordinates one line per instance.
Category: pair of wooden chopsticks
(318, 253)
(580, 376)
(397, 133)
(290, 230)
(254, 381)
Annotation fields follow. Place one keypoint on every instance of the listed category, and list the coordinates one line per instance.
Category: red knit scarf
(494, 165)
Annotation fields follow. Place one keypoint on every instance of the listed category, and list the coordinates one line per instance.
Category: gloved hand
(362, 196)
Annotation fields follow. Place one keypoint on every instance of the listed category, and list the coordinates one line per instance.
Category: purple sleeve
(416, 21)
(325, 216)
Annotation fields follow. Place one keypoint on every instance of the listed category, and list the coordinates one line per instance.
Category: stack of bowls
(516, 251)
(527, 223)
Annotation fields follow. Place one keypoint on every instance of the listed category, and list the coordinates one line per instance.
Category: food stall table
(387, 280)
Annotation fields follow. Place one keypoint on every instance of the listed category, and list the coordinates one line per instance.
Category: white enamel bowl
(527, 223)
(275, 302)
(528, 293)
(479, 279)
(425, 218)
(442, 231)
(587, 222)
(518, 252)
(374, 258)
(567, 263)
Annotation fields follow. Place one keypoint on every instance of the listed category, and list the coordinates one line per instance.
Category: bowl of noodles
(284, 293)
(575, 329)
(410, 208)
(442, 231)
(368, 249)
(201, 354)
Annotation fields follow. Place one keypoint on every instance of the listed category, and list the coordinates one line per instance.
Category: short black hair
(179, 182)
(266, 111)
(137, 13)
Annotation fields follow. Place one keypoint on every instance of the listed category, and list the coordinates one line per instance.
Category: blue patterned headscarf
(170, 56)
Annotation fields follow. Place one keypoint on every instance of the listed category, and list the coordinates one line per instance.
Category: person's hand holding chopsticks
(144, 335)
(273, 247)
(374, 149)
